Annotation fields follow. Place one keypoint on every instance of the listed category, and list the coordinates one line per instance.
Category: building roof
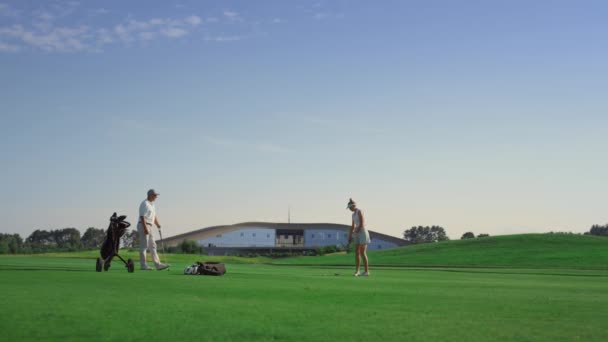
(208, 232)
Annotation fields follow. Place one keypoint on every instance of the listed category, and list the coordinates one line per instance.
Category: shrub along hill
(528, 250)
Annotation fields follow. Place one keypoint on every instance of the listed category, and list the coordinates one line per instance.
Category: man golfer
(147, 218)
(359, 234)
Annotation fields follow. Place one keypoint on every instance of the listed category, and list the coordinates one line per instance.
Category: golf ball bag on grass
(109, 248)
(206, 268)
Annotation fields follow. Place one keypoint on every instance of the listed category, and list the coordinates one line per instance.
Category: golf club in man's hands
(162, 246)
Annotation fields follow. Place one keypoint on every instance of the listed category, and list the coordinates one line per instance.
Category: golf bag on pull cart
(109, 249)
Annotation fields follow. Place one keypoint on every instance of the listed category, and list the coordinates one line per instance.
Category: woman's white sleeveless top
(357, 220)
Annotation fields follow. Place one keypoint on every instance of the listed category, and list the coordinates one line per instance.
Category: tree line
(598, 230)
(60, 240)
(471, 235)
(426, 234)
(70, 240)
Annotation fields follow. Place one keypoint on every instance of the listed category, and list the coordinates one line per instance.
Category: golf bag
(109, 249)
(206, 268)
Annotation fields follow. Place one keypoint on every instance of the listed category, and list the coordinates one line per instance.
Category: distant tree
(427, 234)
(190, 247)
(67, 238)
(130, 239)
(46, 241)
(16, 244)
(467, 235)
(10, 243)
(483, 235)
(599, 230)
(41, 240)
(93, 238)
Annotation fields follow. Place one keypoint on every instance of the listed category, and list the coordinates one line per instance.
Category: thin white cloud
(103, 37)
(123, 34)
(193, 20)
(46, 36)
(174, 32)
(232, 16)
(46, 16)
(61, 10)
(320, 16)
(57, 39)
(278, 21)
(147, 35)
(156, 21)
(150, 29)
(47, 30)
(327, 16)
(8, 47)
(319, 11)
(223, 38)
(44, 21)
(98, 11)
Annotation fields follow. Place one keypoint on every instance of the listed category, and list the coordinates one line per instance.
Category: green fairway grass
(528, 250)
(169, 258)
(58, 299)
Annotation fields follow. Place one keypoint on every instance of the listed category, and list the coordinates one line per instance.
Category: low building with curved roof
(265, 236)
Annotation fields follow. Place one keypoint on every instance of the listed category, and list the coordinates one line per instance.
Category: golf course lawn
(58, 299)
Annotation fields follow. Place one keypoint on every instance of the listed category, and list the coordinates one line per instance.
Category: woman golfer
(359, 234)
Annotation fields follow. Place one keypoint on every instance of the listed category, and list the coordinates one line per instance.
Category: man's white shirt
(147, 210)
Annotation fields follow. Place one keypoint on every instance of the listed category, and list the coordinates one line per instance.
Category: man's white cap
(152, 192)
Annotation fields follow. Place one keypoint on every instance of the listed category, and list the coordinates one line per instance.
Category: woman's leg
(364, 256)
(357, 262)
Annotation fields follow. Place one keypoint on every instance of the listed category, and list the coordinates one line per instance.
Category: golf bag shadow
(111, 245)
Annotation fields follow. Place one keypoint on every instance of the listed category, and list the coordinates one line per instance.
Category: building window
(329, 236)
(218, 236)
(379, 246)
(253, 234)
(312, 236)
(268, 236)
(242, 234)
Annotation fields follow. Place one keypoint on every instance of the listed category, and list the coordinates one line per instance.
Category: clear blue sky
(488, 116)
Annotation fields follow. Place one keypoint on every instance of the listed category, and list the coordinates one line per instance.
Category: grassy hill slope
(528, 250)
